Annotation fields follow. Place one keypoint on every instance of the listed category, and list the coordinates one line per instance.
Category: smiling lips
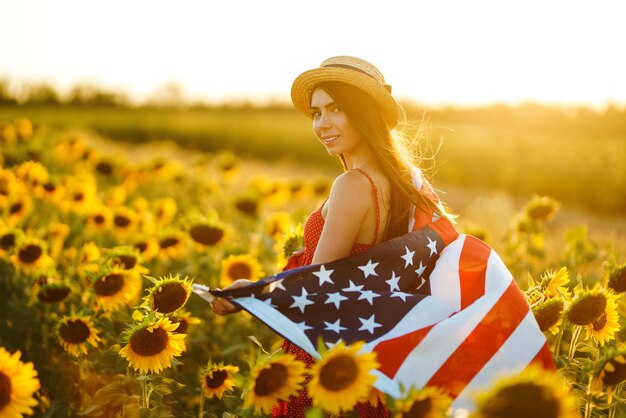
(329, 139)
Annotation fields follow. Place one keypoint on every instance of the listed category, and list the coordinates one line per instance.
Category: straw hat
(350, 70)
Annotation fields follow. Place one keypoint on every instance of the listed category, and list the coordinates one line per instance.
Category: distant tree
(169, 94)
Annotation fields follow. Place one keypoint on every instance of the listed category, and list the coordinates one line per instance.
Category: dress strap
(375, 201)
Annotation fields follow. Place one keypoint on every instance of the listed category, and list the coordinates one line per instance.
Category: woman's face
(331, 125)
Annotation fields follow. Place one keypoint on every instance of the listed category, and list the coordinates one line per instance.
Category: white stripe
(497, 275)
(427, 312)
(513, 356)
(277, 321)
(445, 283)
(442, 340)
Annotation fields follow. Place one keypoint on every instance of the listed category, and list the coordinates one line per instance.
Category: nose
(323, 121)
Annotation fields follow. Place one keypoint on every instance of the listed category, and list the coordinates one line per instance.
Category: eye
(335, 109)
(315, 114)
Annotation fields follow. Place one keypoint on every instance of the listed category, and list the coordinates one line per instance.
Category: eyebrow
(330, 104)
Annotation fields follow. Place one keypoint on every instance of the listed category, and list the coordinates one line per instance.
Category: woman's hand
(222, 306)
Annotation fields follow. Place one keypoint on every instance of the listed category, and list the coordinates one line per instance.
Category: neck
(360, 157)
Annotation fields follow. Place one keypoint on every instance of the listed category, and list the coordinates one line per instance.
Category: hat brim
(303, 86)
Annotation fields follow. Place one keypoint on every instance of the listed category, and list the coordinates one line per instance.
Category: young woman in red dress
(374, 199)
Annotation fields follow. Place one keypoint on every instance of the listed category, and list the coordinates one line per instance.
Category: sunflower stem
(574, 342)
(81, 378)
(588, 402)
(144, 400)
(559, 339)
(201, 410)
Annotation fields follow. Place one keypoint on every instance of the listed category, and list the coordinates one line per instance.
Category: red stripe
(544, 358)
(391, 353)
(472, 268)
(444, 228)
(483, 342)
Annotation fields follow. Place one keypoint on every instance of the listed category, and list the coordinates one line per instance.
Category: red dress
(297, 405)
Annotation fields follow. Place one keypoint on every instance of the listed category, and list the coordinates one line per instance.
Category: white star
(369, 324)
(303, 326)
(393, 282)
(420, 269)
(278, 284)
(400, 295)
(352, 288)
(335, 298)
(369, 295)
(432, 245)
(408, 257)
(334, 326)
(301, 301)
(368, 269)
(324, 275)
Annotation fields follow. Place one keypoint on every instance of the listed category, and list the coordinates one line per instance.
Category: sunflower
(126, 258)
(147, 246)
(247, 204)
(7, 133)
(533, 393)
(52, 291)
(217, 379)
(242, 266)
(278, 224)
(184, 320)
(587, 306)
(342, 377)
(81, 194)
(56, 234)
(542, 208)
(428, 402)
(75, 332)
(24, 128)
(99, 218)
(617, 278)
(291, 242)
(32, 174)
(227, 163)
(273, 379)
(18, 384)
(603, 329)
(612, 369)
(169, 294)
(554, 283)
(51, 191)
(31, 255)
(321, 186)
(9, 237)
(125, 220)
(165, 210)
(116, 287)
(88, 256)
(172, 245)
(17, 208)
(152, 344)
(549, 314)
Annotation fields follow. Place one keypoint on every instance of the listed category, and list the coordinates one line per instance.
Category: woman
(377, 197)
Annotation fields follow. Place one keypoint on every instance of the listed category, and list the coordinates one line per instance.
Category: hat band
(349, 67)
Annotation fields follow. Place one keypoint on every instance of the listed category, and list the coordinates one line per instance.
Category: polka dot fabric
(297, 405)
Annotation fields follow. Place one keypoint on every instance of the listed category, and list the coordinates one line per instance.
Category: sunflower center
(79, 197)
(121, 221)
(104, 168)
(540, 212)
(53, 294)
(168, 242)
(247, 206)
(616, 376)
(98, 219)
(128, 261)
(419, 409)
(339, 373)
(522, 400)
(599, 323)
(146, 343)
(183, 325)
(239, 271)
(169, 297)
(30, 253)
(141, 246)
(109, 284)
(270, 380)
(5, 390)
(205, 234)
(74, 331)
(7, 241)
(218, 378)
(15, 208)
(49, 187)
(587, 309)
(617, 280)
(549, 315)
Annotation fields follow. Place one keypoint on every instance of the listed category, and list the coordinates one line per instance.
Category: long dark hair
(392, 156)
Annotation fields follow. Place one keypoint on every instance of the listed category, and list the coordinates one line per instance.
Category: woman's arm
(349, 201)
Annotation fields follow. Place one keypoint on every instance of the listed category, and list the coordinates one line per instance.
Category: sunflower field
(99, 250)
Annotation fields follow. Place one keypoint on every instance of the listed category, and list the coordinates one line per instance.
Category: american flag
(439, 308)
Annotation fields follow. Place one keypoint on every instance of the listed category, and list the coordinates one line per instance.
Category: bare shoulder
(350, 185)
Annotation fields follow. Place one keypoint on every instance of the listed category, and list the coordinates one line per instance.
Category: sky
(433, 52)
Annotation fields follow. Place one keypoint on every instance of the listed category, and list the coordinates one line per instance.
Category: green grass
(577, 160)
